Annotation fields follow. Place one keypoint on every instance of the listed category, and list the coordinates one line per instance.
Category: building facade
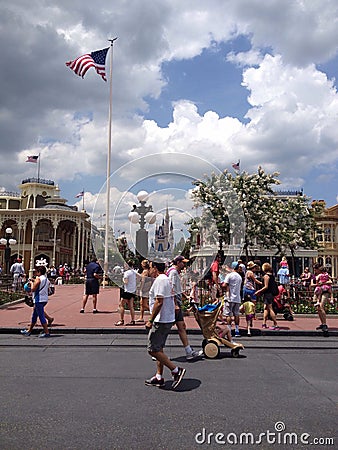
(327, 238)
(44, 226)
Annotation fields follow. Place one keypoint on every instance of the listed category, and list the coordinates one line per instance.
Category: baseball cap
(179, 259)
(234, 265)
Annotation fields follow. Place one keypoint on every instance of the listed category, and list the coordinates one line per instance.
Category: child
(193, 296)
(225, 334)
(284, 262)
(194, 300)
(323, 284)
(248, 308)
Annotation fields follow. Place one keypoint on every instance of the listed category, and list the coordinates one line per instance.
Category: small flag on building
(96, 59)
(80, 194)
(236, 165)
(32, 159)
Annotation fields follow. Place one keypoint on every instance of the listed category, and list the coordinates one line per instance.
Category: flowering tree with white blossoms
(270, 222)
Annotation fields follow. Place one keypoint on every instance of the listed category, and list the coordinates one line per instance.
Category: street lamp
(8, 241)
(142, 214)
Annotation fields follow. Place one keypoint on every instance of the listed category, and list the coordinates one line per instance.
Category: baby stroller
(206, 318)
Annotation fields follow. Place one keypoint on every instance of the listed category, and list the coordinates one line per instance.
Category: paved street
(87, 392)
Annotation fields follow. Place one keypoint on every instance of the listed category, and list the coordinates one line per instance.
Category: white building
(44, 226)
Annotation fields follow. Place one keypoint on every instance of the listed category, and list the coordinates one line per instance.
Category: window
(327, 234)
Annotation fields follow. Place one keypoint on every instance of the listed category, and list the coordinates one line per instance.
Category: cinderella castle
(163, 244)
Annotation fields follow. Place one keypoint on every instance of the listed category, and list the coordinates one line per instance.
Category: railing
(38, 180)
(301, 299)
(6, 282)
(9, 194)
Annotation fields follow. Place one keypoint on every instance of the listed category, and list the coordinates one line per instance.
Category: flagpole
(106, 238)
(39, 168)
(83, 199)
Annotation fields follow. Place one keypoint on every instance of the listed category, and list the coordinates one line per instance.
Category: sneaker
(193, 355)
(95, 311)
(275, 327)
(249, 334)
(320, 327)
(237, 333)
(82, 311)
(178, 377)
(317, 304)
(44, 335)
(50, 321)
(154, 382)
(25, 332)
(264, 325)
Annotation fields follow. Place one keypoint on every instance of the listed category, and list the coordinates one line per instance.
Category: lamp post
(8, 241)
(142, 214)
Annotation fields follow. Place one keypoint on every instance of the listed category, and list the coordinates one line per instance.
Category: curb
(195, 332)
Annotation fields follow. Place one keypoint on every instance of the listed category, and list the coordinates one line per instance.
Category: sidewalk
(65, 307)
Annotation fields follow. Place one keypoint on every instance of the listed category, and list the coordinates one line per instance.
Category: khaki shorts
(232, 309)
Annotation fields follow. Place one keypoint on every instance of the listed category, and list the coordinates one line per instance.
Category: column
(55, 227)
(78, 226)
(31, 265)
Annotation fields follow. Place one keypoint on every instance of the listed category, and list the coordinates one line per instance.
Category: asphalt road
(88, 392)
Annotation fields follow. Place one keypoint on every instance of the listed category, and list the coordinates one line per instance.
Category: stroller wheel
(211, 350)
(235, 352)
(204, 343)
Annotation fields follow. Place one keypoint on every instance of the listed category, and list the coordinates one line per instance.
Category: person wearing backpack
(269, 291)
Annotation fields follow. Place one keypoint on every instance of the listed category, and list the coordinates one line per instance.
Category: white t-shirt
(129, 280)
(175, 281)
(162, 287)
(234, 280)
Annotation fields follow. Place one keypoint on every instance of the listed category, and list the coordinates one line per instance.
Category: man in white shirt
(17, 271)
(162, 318)
(127, 294)
(233, 282)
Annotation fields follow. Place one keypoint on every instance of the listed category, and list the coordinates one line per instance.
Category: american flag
(80, 194)
(236, 165)
(96, 59)
(33, 159)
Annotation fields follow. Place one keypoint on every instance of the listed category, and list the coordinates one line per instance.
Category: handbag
(51, 289)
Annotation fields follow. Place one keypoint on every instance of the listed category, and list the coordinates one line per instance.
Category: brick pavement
(65, 307)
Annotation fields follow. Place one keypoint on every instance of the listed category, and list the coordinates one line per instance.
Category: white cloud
(46, 109)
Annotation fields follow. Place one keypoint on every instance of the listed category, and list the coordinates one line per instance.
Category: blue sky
(209, 80)
(219, 80)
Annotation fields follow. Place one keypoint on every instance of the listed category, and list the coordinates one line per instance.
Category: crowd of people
(57, 275)
(162, 288)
